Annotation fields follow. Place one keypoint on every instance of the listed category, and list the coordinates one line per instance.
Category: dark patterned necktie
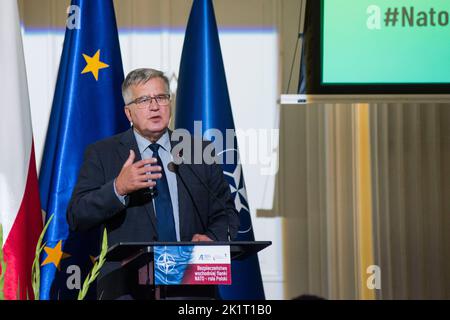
(163, 203)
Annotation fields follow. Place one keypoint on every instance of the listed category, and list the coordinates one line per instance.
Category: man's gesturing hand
(135, 176)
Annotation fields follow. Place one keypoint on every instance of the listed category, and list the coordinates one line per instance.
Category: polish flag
(20, 210)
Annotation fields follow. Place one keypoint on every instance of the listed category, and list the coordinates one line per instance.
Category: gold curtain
(366, 184)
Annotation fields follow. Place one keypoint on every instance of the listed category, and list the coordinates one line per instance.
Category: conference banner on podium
(201, 265)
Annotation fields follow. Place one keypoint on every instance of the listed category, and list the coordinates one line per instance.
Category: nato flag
(87, 106)
(202, 95)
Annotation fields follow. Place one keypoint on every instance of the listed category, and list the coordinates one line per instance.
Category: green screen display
(385, 41)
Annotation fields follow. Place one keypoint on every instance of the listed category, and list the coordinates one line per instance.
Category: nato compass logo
(235, 177)
(166, 263)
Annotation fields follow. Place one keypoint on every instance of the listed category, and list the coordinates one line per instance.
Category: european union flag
(202, 95)
(87, 106)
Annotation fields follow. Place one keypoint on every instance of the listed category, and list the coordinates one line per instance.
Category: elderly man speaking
(127, 186)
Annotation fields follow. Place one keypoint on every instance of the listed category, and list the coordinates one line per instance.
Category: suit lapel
(183, 198)
(127, 142)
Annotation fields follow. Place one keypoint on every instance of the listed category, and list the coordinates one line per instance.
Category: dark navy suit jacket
(95, 204)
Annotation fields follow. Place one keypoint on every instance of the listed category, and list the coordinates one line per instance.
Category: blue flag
(202, 95)
(87, 106)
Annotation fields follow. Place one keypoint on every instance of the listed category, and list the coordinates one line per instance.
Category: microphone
(172, 167)
(175, 169)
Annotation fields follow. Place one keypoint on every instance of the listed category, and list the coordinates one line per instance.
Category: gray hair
(140, 76)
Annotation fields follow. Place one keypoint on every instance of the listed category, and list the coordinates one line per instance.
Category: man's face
(149, 119)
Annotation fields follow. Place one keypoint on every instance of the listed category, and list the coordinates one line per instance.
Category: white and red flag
(20, 211)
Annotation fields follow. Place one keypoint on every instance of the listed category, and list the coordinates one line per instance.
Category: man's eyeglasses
(145, 101)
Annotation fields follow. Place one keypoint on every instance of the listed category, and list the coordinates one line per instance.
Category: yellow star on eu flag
(55, 255)
(93, 64)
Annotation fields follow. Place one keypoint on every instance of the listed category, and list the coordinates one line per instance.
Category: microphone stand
(175, 168)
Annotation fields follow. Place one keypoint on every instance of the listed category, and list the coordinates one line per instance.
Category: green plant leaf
(93, 274)
(36, 270)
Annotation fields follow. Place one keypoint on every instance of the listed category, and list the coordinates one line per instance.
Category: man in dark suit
(129, 184)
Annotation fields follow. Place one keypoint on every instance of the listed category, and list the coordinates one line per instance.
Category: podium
(136, 263)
